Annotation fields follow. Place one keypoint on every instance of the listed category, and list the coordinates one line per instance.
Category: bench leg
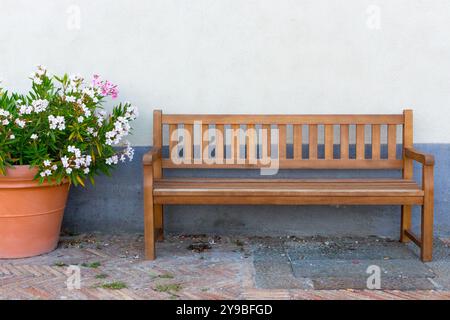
(405, 223)
(159, 221)
(426, 252)
(149, 216)
(149, 231)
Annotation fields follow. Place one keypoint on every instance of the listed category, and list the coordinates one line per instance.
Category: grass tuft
(117, 285)
(93, 265)
(169, 288)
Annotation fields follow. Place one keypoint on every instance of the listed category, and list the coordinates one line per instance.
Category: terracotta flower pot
(30, 214)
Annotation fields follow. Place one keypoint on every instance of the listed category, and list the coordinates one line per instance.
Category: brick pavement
(112, 268)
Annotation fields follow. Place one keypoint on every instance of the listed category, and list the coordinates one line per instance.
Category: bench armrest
(151, 156)
(424, 158)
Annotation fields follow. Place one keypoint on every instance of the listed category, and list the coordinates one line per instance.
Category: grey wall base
(115, 205)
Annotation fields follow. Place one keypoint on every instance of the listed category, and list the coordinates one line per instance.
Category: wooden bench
(260, 141)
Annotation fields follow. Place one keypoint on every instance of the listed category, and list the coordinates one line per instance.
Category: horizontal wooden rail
(296, 164)
(296, 200)
(282, 119)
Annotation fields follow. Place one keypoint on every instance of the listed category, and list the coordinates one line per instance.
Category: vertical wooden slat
(251, 144)
(407, 143)
(188, 140)
(360, 144)
(282, 141)
(157, 141)
(297, 143)
(375, 142)
(204, 149)
(329, 141)
(313, 137)
(266, 143)
(235, 143)
(344, 141)
(220, 137)
(173, 141)
(392, 141)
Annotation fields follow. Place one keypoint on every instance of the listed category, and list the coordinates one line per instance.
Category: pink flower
(114, 92)
(106, 87)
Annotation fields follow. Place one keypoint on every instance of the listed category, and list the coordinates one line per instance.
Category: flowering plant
(60, 127)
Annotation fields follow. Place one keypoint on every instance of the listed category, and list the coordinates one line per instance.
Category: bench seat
(292, 191)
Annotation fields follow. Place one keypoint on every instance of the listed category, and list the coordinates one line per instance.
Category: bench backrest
(294, 141)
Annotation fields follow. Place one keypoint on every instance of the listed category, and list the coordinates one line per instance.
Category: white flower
(80, 161)
(89, 92)
(34, 136)
(37, 81)
(48, 172)
(24, 109)
(39, 105)
(112, 160)
(41, 69)
(5, 122)
(69, 170)
(57, 122)
(70, 99)
(87, 112)
(121, 129)
(74, 150)
(90, 130)
(65, 161)
(88, 161)
(20, 123)
(4, 113)
(12, 137)
(80, 119)
(54, 167)
(129, 152)
(86, 170)
(47, 163)
(42, 174)
(132, 112)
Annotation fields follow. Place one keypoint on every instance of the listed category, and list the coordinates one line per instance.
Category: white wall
(244, 56)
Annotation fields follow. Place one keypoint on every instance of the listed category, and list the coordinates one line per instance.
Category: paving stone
(269, 275)
(387, 283)
(358, 268)
(348, 249)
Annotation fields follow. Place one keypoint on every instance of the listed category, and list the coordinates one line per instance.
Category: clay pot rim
(22, 172)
